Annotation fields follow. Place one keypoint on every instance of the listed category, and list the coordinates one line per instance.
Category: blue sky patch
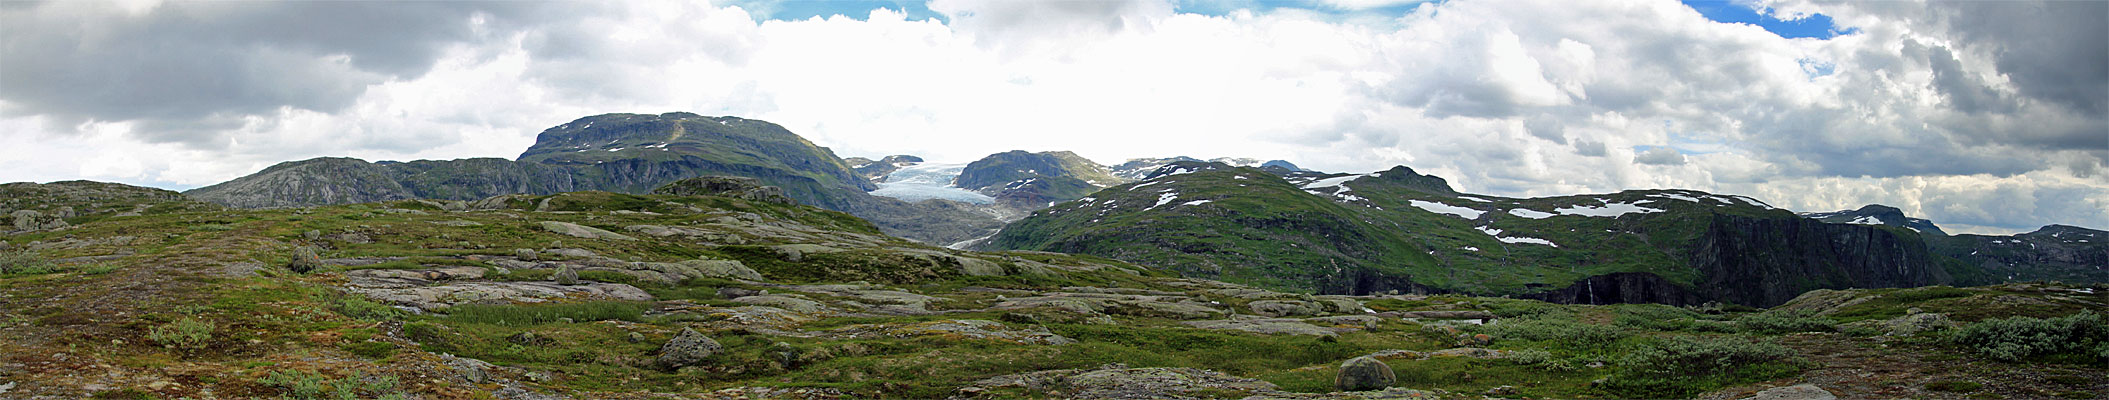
(795, 10)
(1815, 26)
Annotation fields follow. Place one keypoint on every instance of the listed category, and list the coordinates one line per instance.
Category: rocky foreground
(725, 290)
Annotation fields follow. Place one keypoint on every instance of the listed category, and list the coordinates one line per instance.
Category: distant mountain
(624, 153)
(1877, 214)
(2053, 253)
(1398, 230)
(876, 171)
(1137, 169)
(1030, 181)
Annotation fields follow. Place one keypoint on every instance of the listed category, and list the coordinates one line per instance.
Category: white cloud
(1512, 97)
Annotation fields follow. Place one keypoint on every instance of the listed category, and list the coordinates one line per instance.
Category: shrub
(513, 315)
(2079, 337)
(187, 334)
(1568, 333)
(1783, 321)
(1516, 310)
(25, 262)
(1680, 367)
(1655, 317)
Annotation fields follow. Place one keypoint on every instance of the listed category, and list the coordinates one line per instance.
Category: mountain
(1877, 214)
(1030, 181)
(623, 153)
(28, 207)
(2055, 252)
(876, 170)
(1137, 169)
(1398, 230)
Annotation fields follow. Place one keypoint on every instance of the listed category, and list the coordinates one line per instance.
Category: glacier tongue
(928, 181)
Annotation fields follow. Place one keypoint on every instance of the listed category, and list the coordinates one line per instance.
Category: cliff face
(1764, 262)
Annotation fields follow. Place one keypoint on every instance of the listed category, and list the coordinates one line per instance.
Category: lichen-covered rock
(565, 276)
(1116, 381)
(728, 269)
(727, 186)
(686, 349)
(1797, 392)
(1266, 326)
(1284, 308)
(973, 329)
(304, 260)
(582, 231)
(1362, 374)
(793, 304)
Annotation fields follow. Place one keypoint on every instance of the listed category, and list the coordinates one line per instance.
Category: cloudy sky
(1984, 116)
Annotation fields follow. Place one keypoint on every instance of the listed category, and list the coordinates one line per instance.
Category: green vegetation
(1681, 366)
(2078, 338)
(1954, 386)
(1784, 321)
(300, 385)
(186, 334)
(521, 315)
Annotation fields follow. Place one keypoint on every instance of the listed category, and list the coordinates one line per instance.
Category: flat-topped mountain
(1877, 214)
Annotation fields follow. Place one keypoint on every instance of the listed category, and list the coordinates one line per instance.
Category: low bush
(1784, 321)
(186, 334)
(2081, 338)
(1655, 317)
(25, 262)
(1565, 333)
(521, 315)
(1681, 367)
(1954, 386)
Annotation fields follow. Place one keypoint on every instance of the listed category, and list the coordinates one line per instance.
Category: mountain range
(1268, 223)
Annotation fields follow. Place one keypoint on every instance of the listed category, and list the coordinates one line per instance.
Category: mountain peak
(1415, 180)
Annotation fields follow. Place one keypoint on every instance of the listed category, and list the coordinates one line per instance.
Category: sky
(1986, 117)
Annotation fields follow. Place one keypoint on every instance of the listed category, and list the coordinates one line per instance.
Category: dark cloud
(181, 62)
(1963, 91)
(2056, 51)
(1589, 148)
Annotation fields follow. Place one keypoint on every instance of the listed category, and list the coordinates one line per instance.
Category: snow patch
(1165, 197)
(1490, 231)
(1475, 199)
(1331, 182)
(1470, 248)
(1196, 202)
(1613, 210)
(1440, 208)
(1866, 220)
(1520, 239)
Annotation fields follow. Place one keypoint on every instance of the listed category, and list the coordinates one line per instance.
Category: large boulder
(728, 269)
(1363, 374)
(686, 349)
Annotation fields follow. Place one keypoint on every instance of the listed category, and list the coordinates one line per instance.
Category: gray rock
(1268, 326)
(734, 293)
(526, 254)
(686, 349)
(1284, 308)
(1362, 374)
(1916, 323)
(792, 304)
(582, 231)
(727, 269)
(1797, 392)
(565, 276)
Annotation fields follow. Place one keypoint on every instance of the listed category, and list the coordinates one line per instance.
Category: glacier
(929, 181)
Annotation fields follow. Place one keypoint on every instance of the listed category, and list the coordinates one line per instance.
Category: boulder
(304, 260)
(565, 276)
(1363, 374)
(792, 304)
(686, 349)
(582, 231)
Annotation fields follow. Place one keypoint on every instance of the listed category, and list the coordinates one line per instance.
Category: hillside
(1398, 230)
(719, 288)
(623, 153)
